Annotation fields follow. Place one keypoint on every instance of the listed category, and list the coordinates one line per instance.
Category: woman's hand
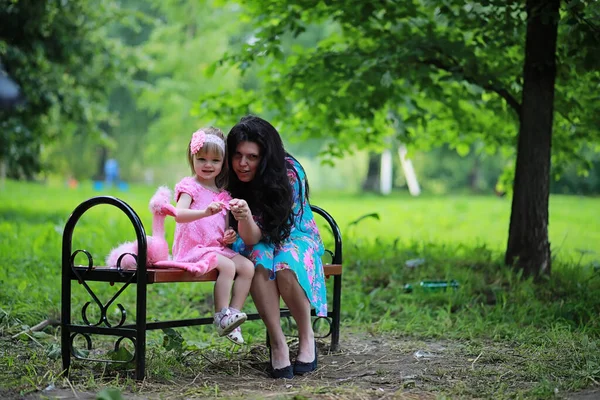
(229, 236)
(247, 227)
(239, 209)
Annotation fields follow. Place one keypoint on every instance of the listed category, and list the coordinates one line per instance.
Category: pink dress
(197, 242)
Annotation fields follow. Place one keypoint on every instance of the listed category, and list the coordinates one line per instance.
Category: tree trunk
(474, 176)
(371, 182)
(528, 247)
(102, 156)
(2, 172)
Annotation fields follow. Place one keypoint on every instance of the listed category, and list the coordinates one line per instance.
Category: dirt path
(367, 367)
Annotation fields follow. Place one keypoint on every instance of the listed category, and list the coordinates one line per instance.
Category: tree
(528, 243)
(65, 63)
(455, 72)
(183, 40)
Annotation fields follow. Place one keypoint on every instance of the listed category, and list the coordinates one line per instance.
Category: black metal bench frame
(144, 276)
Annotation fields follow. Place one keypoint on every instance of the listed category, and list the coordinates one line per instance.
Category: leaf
(210, 71)
(122, 354)
(462, 149)
(109, 394)
(387, 80)
(53, 351)
(41, 335)
(172, 340)
(372, 215)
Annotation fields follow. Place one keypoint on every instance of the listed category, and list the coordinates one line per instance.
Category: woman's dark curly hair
(269, 194)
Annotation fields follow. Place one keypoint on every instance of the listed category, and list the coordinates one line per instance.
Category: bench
(143, 276)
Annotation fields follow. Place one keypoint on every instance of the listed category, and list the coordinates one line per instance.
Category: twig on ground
(375, 361)
(194, 381)
(266, 396)
(357, 376)
(215, 364)
(32, 338)
(475, 360)
(38, 327)
(503, 375)
(345, 365)
(72, 388)
(143, 383)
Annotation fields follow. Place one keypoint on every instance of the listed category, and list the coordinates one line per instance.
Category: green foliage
(446, 72)
(65, 62)
(184, 40)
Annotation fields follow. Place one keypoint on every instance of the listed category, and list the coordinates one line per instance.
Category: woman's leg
(294, 297)
(244, 270)
(266, 298)
(222, 291)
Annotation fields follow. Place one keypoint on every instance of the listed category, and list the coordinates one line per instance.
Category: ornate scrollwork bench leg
(70, 272)
(336, 259)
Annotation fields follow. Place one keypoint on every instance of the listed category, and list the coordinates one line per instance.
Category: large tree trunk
(528, 246)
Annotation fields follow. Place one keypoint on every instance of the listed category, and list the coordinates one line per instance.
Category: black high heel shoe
(301, 368)
(280, 373)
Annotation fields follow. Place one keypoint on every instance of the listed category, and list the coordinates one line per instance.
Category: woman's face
(245, 160)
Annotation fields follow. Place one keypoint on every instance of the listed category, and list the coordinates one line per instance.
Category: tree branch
(490, 86)
(578, 14)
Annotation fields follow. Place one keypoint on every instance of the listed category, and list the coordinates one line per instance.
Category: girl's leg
(245, 271)
(266, 298)
(222, 291)
(294, 297)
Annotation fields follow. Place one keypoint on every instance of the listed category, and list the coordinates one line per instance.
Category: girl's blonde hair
(211, 147)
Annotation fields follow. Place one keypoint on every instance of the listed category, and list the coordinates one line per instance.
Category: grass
(463, 220)
(553, 325)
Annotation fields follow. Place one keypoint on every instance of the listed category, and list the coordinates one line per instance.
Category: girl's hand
(168, 209)
(239, 209)
(214, 208)
(229, 237)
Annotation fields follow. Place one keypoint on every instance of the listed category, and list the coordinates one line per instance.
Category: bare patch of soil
(366, 367)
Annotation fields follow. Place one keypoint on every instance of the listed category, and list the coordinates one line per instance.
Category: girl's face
(207, 165)
(245, 161)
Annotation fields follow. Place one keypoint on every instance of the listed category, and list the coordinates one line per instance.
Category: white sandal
(226, 321)
(236, 336)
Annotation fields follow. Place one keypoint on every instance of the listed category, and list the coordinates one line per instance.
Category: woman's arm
(247, 227)
(185, 214)
(249, 231)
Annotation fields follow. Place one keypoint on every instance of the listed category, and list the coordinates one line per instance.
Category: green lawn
(458, 237)
(574, 221)
(469, 220)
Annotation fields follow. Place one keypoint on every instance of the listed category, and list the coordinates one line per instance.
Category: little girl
(201, 236)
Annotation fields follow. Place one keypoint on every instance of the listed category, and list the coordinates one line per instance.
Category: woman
(277, 232)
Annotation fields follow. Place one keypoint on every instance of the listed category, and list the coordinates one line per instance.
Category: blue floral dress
(301, 251)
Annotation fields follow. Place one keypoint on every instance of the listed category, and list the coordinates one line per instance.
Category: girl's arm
(185, 214)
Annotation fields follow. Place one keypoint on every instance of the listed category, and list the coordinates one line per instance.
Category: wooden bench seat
(170, 275)
(141, 278)
(163, 275)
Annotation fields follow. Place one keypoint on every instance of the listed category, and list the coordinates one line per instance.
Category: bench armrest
(335, 229)
(67, 241)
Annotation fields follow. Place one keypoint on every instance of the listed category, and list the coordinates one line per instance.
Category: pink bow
(223, 198)
(197, 142)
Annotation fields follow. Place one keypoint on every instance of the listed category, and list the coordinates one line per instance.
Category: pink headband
(200, 137)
